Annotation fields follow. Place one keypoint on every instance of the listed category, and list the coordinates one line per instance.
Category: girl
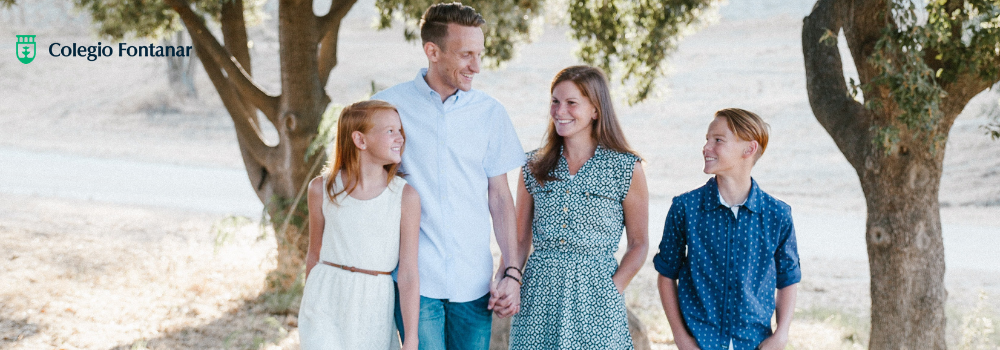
(575, 195)
(363, 220)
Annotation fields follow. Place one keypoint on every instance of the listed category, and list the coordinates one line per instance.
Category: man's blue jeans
(445, 325)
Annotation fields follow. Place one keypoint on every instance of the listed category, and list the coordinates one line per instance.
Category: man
(720, 263)
(460, 145)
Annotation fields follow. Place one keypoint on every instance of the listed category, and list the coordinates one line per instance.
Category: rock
(501, 333)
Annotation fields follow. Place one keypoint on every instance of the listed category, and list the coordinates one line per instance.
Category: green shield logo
(25, 48)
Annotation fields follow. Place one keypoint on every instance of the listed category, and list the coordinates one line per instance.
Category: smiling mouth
(566, 121)
(710, 159)
(395, 149)
(467, 76)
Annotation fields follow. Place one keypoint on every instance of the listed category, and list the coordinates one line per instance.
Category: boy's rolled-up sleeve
(670, 258)
(786, 257)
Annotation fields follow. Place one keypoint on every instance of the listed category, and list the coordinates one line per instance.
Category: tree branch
(234, 36)
(966, 86)
(239, 77)
(329, 30)
(845, 119)
(247, 133)
(301, 108)
(234, 33)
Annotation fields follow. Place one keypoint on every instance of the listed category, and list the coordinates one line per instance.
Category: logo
(25, 48)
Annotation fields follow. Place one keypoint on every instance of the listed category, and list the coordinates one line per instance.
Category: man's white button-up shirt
(452, 148)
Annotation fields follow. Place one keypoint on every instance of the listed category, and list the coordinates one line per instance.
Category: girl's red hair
(347, 160)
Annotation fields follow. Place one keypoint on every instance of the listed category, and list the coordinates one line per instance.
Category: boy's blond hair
(748, 126)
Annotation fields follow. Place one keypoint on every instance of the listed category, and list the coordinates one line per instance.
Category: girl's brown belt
(355, 269)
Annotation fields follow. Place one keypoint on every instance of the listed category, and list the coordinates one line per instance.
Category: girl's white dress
(352, 310)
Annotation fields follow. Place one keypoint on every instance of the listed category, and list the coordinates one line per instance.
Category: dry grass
(86, 275)
(82, 275)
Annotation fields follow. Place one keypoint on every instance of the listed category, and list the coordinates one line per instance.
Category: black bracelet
(519, 272)
(506, 275)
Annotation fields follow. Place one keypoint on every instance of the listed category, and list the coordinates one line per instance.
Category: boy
(720, 263)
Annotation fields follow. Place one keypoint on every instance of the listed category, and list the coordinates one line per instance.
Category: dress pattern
(343, 310)
(568, 300)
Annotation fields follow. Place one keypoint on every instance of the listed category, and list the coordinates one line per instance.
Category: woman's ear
(359, 139)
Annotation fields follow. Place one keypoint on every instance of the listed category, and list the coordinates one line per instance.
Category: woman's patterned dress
(568, 300)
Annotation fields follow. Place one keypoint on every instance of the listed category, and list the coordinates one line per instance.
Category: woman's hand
(505, 298)
(619, 285)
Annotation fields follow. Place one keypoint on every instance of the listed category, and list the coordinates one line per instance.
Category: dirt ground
(80, 274)
(90, 275)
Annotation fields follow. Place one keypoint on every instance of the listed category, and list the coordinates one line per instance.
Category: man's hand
(505, 297)
(776, 341)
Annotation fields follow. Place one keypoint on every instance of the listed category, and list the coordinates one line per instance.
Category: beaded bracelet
(519, 272)
(506, 275)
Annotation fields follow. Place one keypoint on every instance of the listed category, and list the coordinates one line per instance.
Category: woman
(363, 219)
(575, 195)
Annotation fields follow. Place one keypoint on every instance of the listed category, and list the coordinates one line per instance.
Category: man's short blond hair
(748, 126)
(434, 22)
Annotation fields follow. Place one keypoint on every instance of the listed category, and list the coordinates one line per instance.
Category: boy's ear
(359, 139)
(751, 150)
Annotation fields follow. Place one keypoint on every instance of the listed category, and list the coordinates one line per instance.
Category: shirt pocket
(599, 212)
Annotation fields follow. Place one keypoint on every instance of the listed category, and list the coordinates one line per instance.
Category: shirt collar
(426, 90)
(712, 197)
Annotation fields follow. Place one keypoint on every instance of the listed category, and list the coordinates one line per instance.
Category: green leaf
(326, 132)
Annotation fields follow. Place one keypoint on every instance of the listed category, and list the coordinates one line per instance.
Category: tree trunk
(905, 249)
(903, 231)
(180, 70)
(279, 173)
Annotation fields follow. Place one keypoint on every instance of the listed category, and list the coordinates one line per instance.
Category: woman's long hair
(356, 117)
(593, 84)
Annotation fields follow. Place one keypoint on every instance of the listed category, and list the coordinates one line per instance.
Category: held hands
(505, 293)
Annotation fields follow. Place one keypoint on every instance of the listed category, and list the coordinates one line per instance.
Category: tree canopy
(631, 40)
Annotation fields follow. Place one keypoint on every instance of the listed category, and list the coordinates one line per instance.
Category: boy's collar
(711, 201)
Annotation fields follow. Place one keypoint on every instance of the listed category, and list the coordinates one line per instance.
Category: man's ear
(432, 51)
(359, 139)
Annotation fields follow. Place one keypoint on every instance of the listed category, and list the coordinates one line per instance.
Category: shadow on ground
(247, 326)
(14, 330)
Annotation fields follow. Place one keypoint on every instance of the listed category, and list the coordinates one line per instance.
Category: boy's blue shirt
(726, 269)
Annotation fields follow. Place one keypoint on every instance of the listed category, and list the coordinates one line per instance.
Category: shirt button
(564, 225)
(562, 241)
(586, 193)
(565, 209)
(567, 191)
